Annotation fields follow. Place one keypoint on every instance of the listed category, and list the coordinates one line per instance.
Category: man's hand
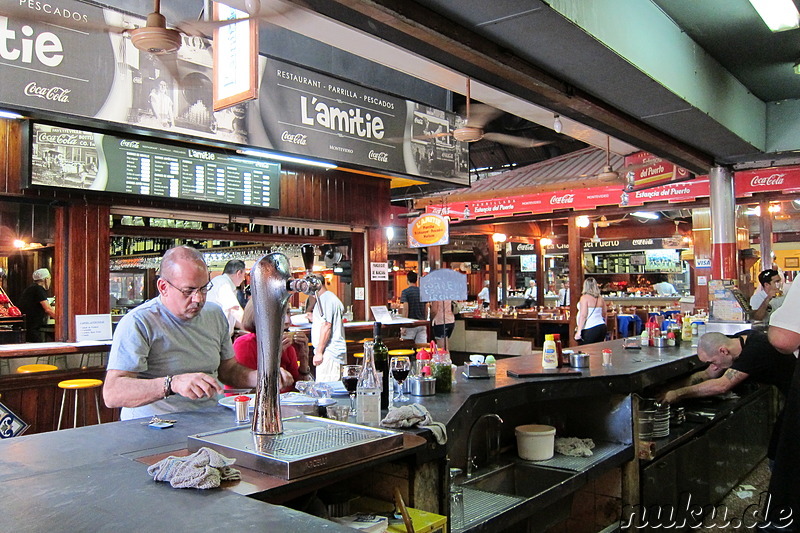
(196, 385)
(669, 397)
(317, 359)
(286, 378)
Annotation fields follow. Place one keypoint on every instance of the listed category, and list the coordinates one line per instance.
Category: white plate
(227, 401)
(287, 398)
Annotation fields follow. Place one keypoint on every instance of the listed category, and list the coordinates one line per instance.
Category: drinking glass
(400, 366)
(350, 375)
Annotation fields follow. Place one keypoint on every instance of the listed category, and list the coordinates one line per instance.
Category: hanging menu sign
(75, 159)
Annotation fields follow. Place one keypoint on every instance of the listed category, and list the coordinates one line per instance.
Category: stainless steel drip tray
(307, 445)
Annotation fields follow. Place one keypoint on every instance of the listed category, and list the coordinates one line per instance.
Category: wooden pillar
(377, 252)
(541, 273)
(493, 278)
(701, 239)
(82, 256)
(575, 248)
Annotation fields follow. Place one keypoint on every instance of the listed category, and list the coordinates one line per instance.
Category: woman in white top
(591, 320)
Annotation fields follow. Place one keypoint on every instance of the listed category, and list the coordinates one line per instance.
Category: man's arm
(761, 312)
(783, 340)
(709, 387)
(324, 338)
(48, 309)
(236, 375)
(125, 389)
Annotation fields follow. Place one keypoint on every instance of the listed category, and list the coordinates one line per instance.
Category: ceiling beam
(418, 29)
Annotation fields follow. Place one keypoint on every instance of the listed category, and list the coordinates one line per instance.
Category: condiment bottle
(670, 338)
(368, 391)
(491, 365)
(549, 354)
(645, 338)
(563, 359)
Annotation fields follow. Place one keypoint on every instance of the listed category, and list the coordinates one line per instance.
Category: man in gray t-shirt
(169, 353)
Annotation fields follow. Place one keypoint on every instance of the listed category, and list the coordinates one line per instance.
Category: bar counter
(94, 478)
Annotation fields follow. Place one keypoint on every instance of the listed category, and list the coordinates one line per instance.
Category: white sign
(703, 262)
(702, 280)
(359, 294)
(93, 327)
(379, 271)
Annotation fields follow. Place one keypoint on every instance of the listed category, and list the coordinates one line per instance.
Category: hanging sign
(644, 170)
(235, 58)
(784, 179)
(443, 284)
(10, 424)
(428, 230)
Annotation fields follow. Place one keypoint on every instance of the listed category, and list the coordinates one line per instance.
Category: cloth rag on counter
(574, 447)
(204, 469)
(411, 415)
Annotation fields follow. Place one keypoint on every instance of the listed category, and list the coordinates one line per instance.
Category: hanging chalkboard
(443, 284)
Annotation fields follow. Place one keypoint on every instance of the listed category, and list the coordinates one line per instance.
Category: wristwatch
(168, 386)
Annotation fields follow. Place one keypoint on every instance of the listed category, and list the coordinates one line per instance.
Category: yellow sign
(428, 230)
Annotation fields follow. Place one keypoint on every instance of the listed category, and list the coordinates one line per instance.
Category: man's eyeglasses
(188, 293)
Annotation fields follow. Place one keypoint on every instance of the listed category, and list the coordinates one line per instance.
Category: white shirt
(665, 288)
(758, 298)
(786, 316)
(563, 297)
(223, 293)
(484, 294)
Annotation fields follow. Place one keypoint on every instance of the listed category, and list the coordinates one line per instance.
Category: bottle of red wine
(382, 363)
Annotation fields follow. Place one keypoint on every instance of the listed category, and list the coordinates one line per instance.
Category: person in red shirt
(294, 355)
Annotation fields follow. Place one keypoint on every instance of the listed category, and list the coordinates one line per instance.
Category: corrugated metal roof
(574, 166)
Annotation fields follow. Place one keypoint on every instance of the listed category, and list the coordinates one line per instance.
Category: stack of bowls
(653, 420)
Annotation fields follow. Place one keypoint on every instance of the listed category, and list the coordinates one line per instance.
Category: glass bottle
(382, 364)
(563, 359)
(368, 391)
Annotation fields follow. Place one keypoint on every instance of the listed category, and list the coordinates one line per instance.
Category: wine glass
(350, 375)
(400, 366)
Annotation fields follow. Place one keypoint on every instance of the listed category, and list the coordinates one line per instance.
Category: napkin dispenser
(479, 370)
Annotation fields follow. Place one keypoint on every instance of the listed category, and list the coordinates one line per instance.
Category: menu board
(75, 159)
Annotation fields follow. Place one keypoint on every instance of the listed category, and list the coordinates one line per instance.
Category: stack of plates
(654, 423)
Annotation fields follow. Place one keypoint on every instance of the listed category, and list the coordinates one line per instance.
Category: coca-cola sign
(783, 179)
(564, 199)
(766, 181)
(46, 65)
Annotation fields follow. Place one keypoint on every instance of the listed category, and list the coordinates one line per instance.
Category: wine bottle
(381, 363)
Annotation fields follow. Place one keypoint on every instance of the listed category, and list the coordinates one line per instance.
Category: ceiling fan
(477, 117)
(604, 222)
(608, 173)
(595, 238)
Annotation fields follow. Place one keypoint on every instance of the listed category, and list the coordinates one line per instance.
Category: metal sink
(520, 479)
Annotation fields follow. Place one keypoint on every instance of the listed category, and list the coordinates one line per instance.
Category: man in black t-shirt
(34, 305)
(746, 355)
(415, 309)
(732, 360)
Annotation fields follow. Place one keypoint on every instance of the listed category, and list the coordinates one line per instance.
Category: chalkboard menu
(443, 284)
(75, 159)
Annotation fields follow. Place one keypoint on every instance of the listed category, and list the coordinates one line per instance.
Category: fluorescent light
(10, 114)
(646, 214)
(778, 15)
(287, 158)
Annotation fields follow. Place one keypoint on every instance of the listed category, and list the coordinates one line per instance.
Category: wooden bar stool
(29, 369)
(77, 385)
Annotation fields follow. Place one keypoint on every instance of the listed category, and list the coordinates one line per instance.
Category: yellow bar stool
(29, 369)
(401, 351)
(358, 355)
(77, 385)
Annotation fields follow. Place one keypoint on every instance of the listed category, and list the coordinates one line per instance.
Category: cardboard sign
(92, 327)
(443, 284)
(379, 271)
(10, 424)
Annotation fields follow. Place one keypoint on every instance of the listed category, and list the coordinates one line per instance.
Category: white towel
(411, 415)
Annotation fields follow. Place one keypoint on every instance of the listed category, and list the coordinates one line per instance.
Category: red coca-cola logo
(564, 199)
(766, 181)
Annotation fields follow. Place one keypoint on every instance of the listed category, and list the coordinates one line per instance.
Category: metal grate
(316, 441)
(480, 505)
